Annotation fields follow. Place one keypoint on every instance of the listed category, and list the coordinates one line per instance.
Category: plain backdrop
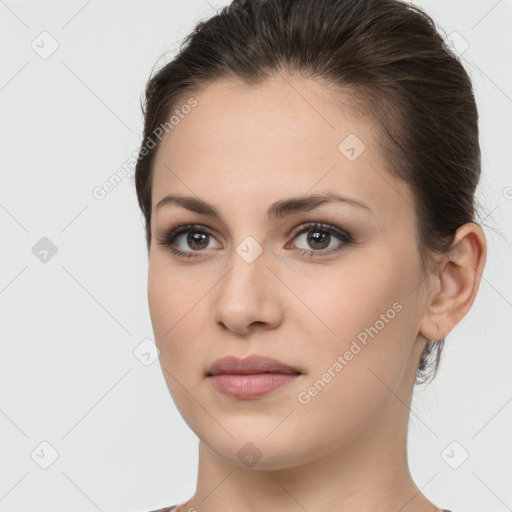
(86, 422)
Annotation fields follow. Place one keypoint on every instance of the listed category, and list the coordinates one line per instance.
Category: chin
(256, 450)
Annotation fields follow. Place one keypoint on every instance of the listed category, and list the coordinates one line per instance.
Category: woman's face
(346, 314)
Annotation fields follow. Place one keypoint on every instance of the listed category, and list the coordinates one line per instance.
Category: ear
(455, 282)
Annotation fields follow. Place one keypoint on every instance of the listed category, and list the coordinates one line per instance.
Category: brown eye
(319, 238)
(197, 238)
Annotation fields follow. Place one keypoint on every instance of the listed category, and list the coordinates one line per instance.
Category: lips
(253, 364)
(250, 378)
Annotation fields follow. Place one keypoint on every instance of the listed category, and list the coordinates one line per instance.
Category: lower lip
(251, 385)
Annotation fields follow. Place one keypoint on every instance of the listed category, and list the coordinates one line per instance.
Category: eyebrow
(277, 210)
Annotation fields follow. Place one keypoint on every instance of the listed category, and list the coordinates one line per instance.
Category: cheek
(173, 308)
(347, 300)
(361, 315)
(176, 303)
(168, 306)
(353, 371)
(171, 295)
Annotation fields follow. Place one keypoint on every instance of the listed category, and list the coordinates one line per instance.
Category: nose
(248, 296)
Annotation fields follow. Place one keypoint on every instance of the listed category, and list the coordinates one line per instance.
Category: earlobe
(458, 279)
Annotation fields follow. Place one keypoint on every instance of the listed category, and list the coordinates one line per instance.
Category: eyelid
(321, 226)
(169, 236)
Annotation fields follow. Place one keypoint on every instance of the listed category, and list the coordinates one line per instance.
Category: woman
(307, 178)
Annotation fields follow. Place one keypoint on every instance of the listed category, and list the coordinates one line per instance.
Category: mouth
(252, 377)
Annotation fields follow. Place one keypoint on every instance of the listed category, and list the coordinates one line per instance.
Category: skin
(241, 149)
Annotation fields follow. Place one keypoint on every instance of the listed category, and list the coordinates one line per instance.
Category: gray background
(72, 371)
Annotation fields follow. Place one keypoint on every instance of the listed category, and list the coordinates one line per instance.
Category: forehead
(272, 140)
(278, 110)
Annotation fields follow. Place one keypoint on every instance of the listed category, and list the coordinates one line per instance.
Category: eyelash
(168, 239)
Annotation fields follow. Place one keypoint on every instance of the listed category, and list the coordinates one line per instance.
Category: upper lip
(250, 365)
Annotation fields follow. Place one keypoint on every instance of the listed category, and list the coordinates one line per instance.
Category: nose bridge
(248, 266)
(245, 294)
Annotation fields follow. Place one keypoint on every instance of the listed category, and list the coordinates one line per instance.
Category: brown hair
(386, 57)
